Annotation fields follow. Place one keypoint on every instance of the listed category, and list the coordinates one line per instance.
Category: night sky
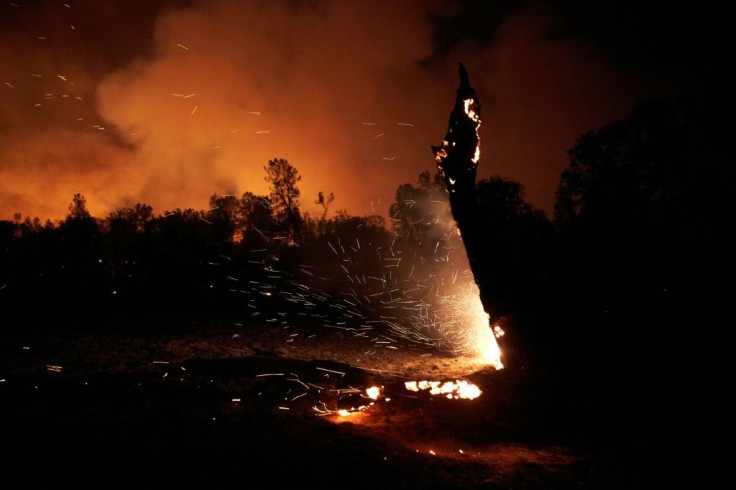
(168, 102)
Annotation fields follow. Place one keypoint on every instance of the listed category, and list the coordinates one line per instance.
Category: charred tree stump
(457, 161)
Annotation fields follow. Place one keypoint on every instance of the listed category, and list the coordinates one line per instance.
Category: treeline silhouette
(644, 287)
(642, 233)
(89, 269)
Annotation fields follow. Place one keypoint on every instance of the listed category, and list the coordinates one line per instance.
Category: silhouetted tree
(648, 205)
(137, 218)
(127, 243)
(325, 202)
(517, 268)
(646, 214)
(258, 220)
(226, 216)
(75, 275)
(523, 240)
(80, 231)
(421, 214)
(179, 266)
(78, 209)
(283, 179)
(26, 226)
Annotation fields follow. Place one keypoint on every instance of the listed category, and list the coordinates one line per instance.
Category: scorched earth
(203, 400)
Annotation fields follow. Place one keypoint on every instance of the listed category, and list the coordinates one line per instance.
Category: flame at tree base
(477, 337)
(485, 345)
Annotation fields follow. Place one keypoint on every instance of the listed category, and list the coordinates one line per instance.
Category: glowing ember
(373, 392)
(451, 389)
(345, 412)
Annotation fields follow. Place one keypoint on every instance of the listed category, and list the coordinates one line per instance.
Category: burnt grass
(205, 399)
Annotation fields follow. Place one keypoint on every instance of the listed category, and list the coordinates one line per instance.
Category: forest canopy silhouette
(641, 239)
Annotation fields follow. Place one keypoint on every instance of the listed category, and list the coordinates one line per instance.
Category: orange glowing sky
(126, 102)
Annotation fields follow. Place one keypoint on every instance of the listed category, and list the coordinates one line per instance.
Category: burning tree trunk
(457, 160)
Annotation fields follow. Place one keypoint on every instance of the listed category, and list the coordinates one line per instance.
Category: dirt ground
(201, 402)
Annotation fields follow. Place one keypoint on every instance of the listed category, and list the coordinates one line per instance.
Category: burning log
(457, 161)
